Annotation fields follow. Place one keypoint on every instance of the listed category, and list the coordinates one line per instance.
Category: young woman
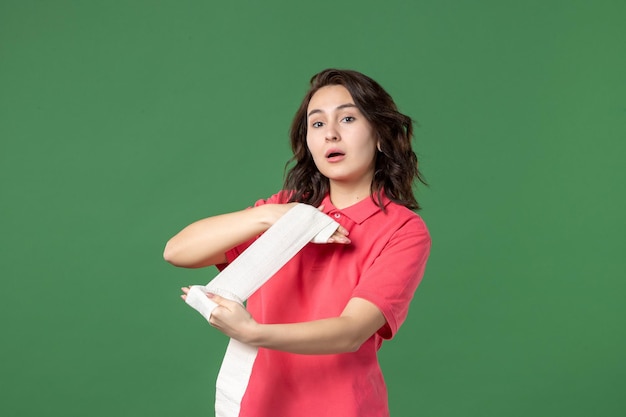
(319, 322)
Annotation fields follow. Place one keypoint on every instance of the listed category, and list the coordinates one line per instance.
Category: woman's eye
(349, 119)
(316, 124)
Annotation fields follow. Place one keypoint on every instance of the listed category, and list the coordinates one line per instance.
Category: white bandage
(246, 274)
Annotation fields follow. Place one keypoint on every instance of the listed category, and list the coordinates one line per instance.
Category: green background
(123, 121)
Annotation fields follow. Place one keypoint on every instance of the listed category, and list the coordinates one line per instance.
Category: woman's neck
(345, 196)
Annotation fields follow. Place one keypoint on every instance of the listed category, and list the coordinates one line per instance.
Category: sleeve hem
(390, 328)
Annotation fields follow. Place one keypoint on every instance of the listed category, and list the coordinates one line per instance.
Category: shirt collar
(358, 212)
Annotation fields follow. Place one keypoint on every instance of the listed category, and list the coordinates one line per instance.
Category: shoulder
(280, 197)
(399, 229)
(401, 220)
(395, 231)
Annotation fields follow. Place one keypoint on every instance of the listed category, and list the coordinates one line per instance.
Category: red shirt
(384, 265)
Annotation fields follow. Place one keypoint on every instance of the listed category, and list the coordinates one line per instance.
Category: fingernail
(210, 295)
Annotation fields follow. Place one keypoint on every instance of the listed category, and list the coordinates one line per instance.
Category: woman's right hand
(340, 235)
(276, 211)
(273, 212)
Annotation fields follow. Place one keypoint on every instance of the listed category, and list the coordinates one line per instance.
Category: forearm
(346, 333)
(206, 241)
(318, 337)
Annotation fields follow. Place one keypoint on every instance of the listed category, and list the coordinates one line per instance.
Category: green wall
(122, 121)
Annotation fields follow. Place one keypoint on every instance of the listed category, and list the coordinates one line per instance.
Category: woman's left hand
(230, 318)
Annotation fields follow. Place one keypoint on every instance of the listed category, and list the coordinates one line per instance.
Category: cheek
(370, 143)
(310, 144)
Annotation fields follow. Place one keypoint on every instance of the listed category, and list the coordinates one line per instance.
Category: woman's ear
(378, 146)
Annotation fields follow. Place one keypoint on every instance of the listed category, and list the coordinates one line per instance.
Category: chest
(318, 281)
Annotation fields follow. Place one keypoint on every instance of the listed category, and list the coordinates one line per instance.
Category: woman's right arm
(206, 241)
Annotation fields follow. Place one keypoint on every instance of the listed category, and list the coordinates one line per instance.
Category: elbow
(352, 335)
(180, 255)
(351, 344)
(351, 348)
(170, 253)
(354, 347)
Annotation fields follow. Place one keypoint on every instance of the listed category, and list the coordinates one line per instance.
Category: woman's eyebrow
(342, 106)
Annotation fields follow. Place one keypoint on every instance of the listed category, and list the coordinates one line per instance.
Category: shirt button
(337, 215)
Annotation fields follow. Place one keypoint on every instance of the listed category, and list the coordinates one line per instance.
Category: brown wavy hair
(395, 170)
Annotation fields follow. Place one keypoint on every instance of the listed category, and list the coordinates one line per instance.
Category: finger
(217, 299)
(339, 238)
(212, 321)
(227, 303)
(185, 290)
(321, 208)
(217, 315)
(341, 241)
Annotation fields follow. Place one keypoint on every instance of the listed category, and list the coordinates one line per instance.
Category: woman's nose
(331, 134)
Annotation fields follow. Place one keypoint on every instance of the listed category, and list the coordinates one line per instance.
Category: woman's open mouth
(334, 155)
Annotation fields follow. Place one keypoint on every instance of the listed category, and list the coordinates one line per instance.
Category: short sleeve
(391, 280)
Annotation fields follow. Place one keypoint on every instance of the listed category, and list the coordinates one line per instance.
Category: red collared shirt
(384, 265)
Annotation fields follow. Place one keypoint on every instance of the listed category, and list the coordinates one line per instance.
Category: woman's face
(340, 139)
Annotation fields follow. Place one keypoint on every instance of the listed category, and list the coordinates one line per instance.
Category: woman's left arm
(359, 320)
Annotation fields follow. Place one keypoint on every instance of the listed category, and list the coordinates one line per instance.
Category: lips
(334, 153)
